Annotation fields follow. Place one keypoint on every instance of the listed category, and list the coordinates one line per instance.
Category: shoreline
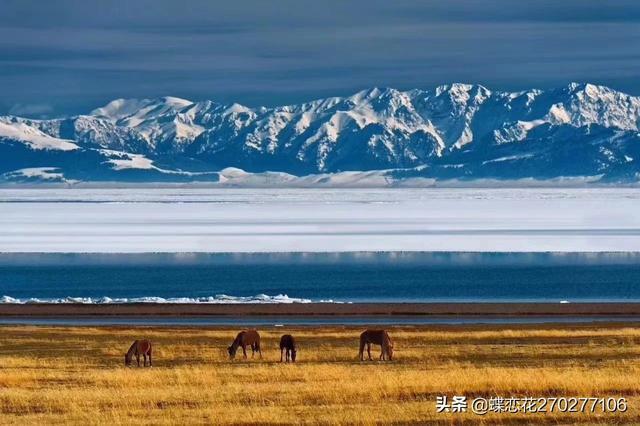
(175, 310)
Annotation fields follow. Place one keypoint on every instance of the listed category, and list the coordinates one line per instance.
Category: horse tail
(389, 341)
(389, 345)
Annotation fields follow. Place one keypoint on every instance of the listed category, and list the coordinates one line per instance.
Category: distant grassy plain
(75, 375)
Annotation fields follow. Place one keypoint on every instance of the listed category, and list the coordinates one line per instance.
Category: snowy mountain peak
(592, 104)
(463, 91)
(120, 109)
(456, 130)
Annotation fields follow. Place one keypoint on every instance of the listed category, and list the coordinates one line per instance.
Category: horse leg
(288, 354)
(281, 350)
(144, 357)
(150, 363)
(244, 351)
(138, 359)
(259, 350)
(361, 352)
(369, 351)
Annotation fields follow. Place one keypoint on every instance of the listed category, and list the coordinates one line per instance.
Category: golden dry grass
(74, 375)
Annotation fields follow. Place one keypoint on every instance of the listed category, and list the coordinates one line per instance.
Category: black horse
(288, 346)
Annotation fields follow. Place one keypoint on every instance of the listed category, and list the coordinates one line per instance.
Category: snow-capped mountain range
(454, 132)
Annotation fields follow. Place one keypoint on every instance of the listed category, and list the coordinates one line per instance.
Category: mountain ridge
(455, 131)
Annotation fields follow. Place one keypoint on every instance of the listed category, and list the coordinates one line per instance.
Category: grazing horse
(244, 339)
(288, 345)
(378, 337)
(139, 347)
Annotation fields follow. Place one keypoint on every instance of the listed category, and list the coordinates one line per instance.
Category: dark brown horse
(244, 339)
(139, 347)
(377, 337)
(288, 345)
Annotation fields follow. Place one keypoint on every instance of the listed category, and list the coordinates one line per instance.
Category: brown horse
(139, 347)
(244, 339)
(378, 337)
(288, 345)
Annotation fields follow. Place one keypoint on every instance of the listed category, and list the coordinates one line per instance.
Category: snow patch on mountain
(130, 161)
(35, 174)
(515, 132)
(33, 137)
(372, 179)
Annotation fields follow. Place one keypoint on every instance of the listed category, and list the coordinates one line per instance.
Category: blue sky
(67, 57)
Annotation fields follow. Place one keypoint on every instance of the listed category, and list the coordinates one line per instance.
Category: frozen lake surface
(192, 219)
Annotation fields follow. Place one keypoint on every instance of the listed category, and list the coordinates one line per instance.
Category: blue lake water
(375, 278)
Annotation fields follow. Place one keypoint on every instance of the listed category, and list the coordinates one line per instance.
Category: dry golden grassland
(75, 375)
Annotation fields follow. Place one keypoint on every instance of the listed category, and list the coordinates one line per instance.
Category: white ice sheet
(318, 220)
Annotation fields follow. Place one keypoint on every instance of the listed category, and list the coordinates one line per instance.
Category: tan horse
(289, 347)
(244, 339)
(139, 347)
(378, 337)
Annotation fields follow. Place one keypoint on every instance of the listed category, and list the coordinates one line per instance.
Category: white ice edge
(217, 299)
